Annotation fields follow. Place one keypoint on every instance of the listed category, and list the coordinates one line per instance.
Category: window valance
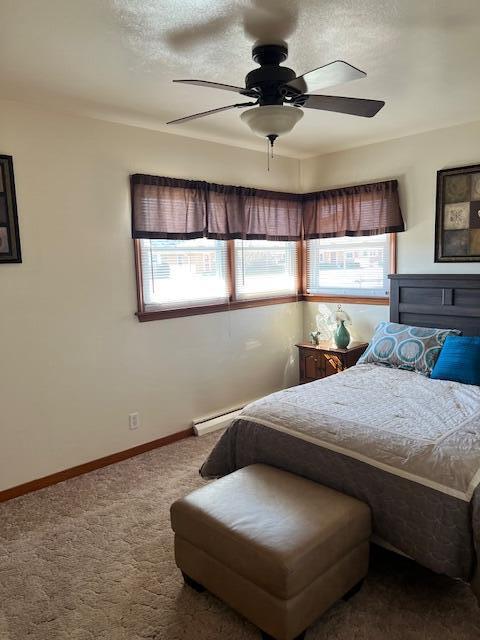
(171, 208)
(176, 209)
(364, 210)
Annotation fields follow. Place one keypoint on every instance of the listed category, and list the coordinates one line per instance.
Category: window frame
(233, 303)
(351, 299)
(252, 295)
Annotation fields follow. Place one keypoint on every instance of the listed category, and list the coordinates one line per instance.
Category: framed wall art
(9, 236)
(457, 224)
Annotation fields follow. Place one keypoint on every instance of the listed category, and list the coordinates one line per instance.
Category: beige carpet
(91, 558)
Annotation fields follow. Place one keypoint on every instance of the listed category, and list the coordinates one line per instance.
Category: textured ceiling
(115, 59)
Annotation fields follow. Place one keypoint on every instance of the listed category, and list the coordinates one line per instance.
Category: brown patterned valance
(365, 210)
(172, 208)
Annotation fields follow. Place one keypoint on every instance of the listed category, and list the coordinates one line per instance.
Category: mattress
(407, 445)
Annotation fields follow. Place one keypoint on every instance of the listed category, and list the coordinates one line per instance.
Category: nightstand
(319, 361)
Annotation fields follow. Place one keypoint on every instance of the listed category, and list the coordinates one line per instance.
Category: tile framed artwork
(9, 235)
(457, 223)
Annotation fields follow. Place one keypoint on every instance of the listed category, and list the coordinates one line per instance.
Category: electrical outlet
(133, 420)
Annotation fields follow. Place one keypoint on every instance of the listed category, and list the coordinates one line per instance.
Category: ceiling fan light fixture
(272, 120)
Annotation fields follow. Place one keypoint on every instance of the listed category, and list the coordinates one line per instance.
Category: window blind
(265, 269)
(349, 266)
(183, 273)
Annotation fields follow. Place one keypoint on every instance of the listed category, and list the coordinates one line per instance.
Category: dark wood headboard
(443, 301)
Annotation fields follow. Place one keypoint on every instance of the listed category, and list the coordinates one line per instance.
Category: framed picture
(457, 224)
(9, 236)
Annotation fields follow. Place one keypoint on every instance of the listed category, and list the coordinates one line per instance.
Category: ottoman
(278, 548)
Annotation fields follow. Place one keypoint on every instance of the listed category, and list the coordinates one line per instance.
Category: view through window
(182, 273)
(179, 274)
(265, 268)
(349, 266)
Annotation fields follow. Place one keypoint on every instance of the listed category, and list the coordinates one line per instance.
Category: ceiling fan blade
(191, 35)
(270, 21)
(352, 106)
(263, 20)
(207, 113)
(329, 75)
(216, 85)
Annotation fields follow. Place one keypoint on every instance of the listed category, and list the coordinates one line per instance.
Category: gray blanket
(407, 445)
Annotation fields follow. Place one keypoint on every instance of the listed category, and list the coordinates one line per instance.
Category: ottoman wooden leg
(193, 583)
(265, 636)
(353, 591)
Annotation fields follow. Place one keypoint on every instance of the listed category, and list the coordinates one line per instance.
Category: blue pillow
(459, 360)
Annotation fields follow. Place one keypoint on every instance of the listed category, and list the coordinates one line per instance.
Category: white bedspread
(427, 431)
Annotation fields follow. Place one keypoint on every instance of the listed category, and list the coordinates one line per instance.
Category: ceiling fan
(277, 95)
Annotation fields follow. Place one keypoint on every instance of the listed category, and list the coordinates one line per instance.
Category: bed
(407, 445)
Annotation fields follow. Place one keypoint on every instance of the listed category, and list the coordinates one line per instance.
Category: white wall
(74, 360)
(414, 161)
(364, 318)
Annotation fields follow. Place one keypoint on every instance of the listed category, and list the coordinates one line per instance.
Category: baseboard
(60, 476)
(202, 427)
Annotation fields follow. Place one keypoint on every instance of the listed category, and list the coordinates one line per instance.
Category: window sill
(147, 316)
(311, 297)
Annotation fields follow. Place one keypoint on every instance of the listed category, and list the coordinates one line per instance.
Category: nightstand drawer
(314, 366)
(320, 361)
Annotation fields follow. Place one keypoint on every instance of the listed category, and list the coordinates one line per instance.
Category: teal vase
(341, 336)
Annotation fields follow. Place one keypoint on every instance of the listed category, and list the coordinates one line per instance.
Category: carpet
(91, 559)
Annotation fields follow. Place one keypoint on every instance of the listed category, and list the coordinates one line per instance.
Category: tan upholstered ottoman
(276, 547)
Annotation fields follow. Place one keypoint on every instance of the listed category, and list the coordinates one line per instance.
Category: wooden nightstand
(319, 361)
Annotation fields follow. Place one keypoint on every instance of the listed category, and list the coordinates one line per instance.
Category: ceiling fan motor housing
(270, 79)
(264, 54)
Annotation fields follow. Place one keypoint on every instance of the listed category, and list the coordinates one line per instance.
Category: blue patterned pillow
(405, 347)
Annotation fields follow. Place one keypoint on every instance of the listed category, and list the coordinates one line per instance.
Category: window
(264, 269)
(348, 266)
(183, 273)
(181, 276)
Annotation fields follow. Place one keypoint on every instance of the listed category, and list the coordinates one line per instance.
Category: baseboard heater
(202, 426)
